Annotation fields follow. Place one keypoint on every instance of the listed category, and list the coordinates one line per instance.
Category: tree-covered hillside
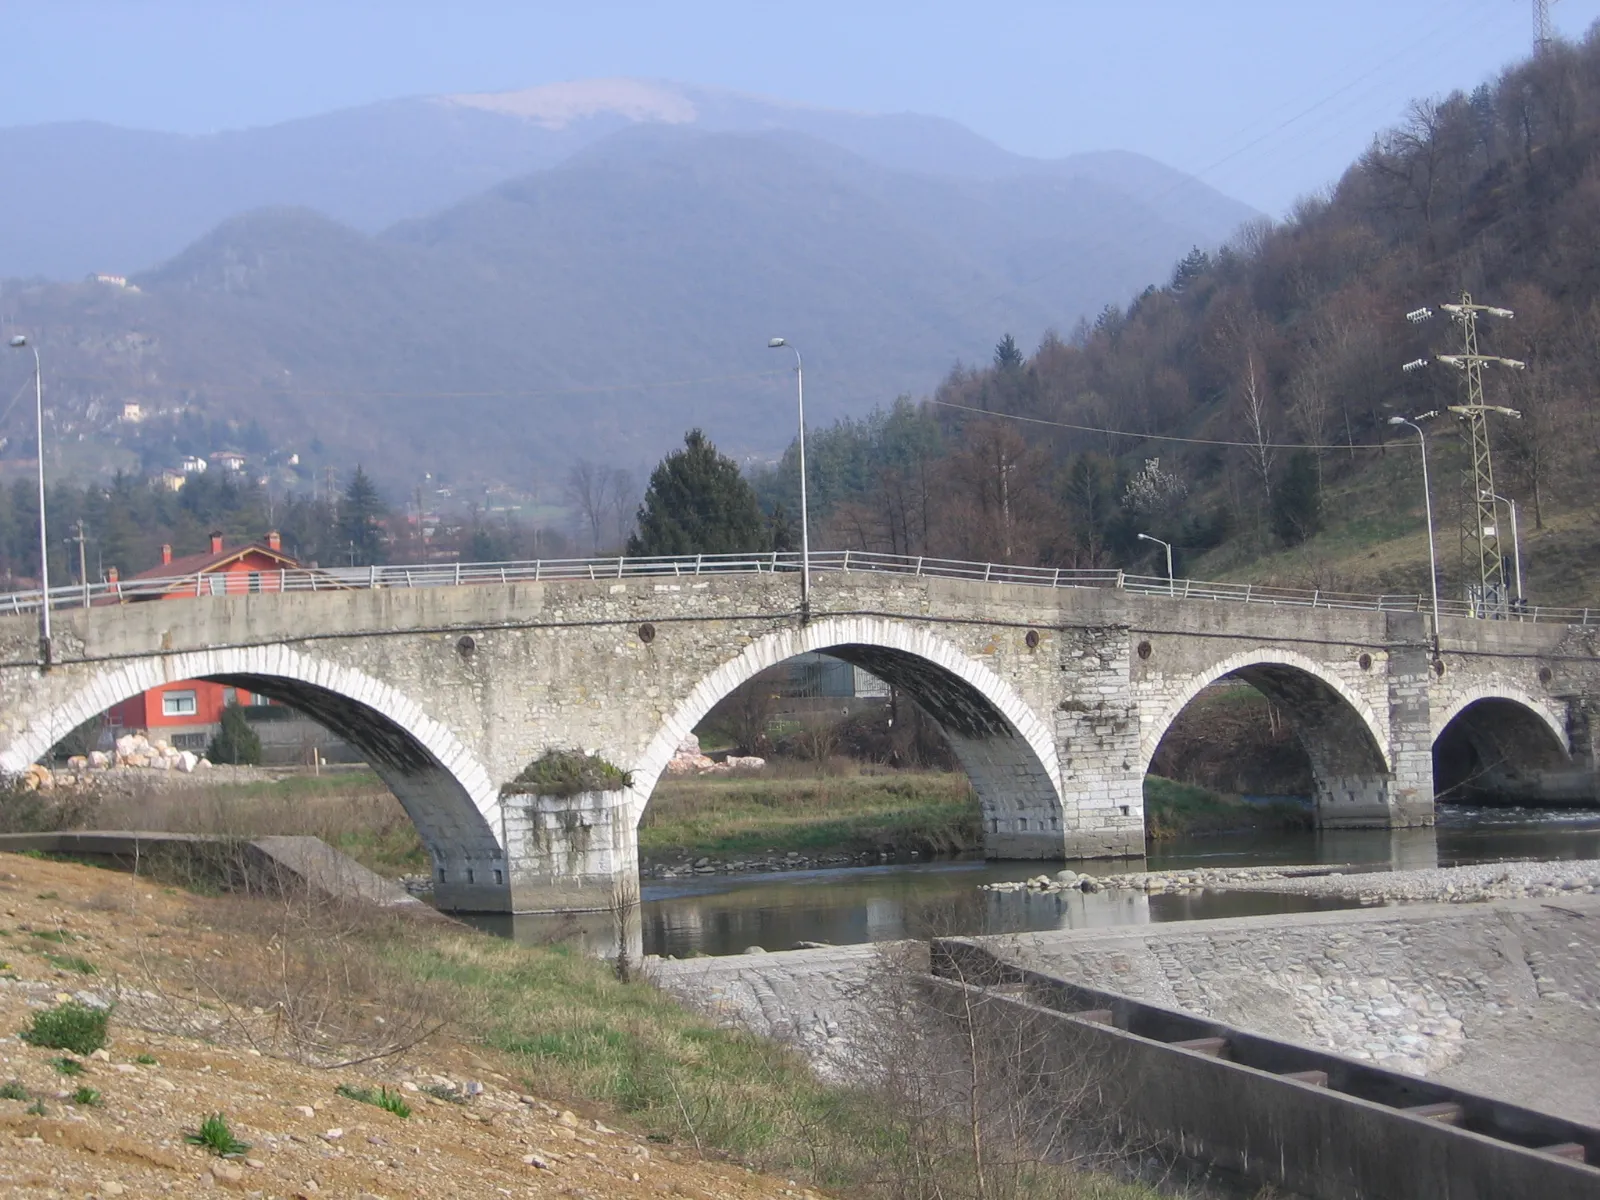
(1241, 409)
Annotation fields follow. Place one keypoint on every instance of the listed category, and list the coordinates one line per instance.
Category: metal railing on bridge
(424, 575)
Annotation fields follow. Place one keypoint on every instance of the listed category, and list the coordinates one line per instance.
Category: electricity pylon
(1543, 31)
(1480, 527)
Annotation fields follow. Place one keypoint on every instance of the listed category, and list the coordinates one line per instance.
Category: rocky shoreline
(793, 860)
(1455, 885)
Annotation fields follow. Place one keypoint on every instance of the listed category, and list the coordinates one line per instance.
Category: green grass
(1173, 809)
(72, 962)
(572, 1030)
(216, 1137)
(930, 812)
(146, 1060)
(72, 1026)
(12, 1089)
(59, 936)
(67, 1066)
(381, 1097)
(87, 1097)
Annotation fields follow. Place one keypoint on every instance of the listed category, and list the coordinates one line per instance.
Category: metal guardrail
(315, 579)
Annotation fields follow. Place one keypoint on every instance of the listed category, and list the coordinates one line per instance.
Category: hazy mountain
(100, 198)
(597, 307)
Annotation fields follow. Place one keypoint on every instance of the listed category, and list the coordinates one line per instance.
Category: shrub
(235, 742)
(24, 809)
(568, 772)
(87, 1097)
(72, 1026)
(67, 1066)
(13, 1090)
(216, 1137)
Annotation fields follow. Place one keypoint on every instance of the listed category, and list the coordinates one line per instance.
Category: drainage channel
(1283, 1114)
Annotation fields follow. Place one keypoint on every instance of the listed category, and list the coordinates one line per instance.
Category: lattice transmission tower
(1480, 526)
(1543, 31)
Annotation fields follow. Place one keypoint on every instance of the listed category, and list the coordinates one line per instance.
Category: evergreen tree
(1297, 505)
(1007, 355)
(698, 503)
(360, 515)
(235, 742)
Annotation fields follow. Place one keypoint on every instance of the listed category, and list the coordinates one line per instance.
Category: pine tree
(1007, 355)
(360, 515)
(235, 742)
(699, 503)
(1297, 506)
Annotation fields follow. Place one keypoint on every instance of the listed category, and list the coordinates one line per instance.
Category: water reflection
(725, 914)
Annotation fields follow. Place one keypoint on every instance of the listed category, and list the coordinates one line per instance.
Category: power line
(1168, 437)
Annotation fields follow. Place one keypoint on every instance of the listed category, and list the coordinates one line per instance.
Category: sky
(1266, 101)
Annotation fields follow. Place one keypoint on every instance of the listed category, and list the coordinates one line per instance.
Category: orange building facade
(187, 713)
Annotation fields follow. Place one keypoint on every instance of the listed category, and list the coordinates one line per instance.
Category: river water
(727, 914)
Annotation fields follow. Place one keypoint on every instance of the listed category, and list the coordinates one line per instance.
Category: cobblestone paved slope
(1502, 998)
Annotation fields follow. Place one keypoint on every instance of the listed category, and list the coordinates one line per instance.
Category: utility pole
(83, 561)
(1480, 524)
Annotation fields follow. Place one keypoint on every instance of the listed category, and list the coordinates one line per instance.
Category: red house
(187, 713)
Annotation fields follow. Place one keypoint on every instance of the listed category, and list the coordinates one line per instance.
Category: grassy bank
(1173, 809)
(930, 812)
(310, 982)
(353, 811)
(790, 809)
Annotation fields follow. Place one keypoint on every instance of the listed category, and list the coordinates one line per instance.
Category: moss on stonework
(567, 773)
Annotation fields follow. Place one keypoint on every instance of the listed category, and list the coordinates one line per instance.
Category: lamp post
(20, 343)
(779, 343)
(1145, 537)
(1427, 500)
(1516, 543)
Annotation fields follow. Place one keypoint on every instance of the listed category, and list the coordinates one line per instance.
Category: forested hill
(1293, 335)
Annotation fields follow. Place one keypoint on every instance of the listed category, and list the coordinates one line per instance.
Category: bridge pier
(571, 853)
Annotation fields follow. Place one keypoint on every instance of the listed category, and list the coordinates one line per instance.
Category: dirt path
(173, 1058)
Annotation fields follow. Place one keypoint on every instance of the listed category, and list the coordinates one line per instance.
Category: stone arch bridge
(1054, 699)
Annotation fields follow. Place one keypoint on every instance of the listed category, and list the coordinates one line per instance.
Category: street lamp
(20, 343)
(1516, 542)
(1145, 537)
(779, 343)
(1427, 500)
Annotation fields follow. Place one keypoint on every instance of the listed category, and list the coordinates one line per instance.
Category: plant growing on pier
(567, 773)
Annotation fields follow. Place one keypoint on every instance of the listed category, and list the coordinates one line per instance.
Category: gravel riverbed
(1459, 885)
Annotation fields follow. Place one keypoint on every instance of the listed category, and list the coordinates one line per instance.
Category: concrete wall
(1349, 1140)
(1054, 699)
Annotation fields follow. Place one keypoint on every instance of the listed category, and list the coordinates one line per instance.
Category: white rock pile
(132, 752)
(688, 759)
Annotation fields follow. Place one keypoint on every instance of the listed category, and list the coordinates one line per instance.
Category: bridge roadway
(1054, 698)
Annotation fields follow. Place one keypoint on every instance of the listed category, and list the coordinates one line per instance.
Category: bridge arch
(1346, 743)
(1497, 742)
(1007, 751)
(443, 788)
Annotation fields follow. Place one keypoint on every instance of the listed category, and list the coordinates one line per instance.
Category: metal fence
(315, 579)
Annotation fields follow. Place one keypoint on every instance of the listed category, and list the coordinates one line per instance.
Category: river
(727, 914)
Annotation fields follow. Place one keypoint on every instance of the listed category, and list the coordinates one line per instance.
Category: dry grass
(354, 813)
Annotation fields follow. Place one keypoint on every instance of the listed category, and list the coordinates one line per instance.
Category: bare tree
(624, 500)
(589, 488)
(1253, 397)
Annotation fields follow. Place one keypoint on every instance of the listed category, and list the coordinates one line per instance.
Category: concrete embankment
(1501, 997)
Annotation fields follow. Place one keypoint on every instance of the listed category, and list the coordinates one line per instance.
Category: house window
(219, 584)
(178, 704)
(230, 696)
(255, 581)
(191, 741)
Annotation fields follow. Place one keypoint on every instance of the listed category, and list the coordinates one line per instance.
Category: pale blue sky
(1222, 89)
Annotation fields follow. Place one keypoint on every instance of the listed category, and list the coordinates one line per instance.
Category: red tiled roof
(199, 564)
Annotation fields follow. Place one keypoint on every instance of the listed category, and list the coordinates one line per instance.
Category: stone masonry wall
(1056, 698)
